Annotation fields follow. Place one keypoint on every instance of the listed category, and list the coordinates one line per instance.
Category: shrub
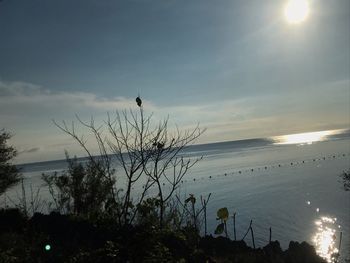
(82, 190)
(9, 174)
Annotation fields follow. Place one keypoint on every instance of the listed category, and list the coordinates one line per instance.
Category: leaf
(219, 229)
(222, 214)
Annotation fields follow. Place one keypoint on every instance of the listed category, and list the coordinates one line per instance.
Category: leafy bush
(83, 189)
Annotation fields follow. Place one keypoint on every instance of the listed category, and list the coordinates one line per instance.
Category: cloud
(27, 110)
(25, 106)
(30, 150)
(20, 101)
(30, 94)
(29, 103)
(17, 88)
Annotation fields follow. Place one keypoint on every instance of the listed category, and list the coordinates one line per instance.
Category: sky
(236, 67)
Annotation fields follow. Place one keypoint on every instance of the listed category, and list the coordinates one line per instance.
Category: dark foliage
(11, 220)
(9, 174)
(74, 239)
(222, 249)
(346, 180)
(82, 190)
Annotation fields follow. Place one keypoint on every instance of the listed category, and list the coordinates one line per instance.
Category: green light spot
(47, 247)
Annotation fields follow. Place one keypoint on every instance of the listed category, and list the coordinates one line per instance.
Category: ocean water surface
(290, 183)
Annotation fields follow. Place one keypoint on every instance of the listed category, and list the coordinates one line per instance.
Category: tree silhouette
(9, 174)
(147, 153)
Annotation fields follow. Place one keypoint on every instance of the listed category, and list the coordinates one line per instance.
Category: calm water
(289, 183)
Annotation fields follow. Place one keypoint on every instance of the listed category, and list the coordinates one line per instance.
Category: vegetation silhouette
(345, 176)
(100, 214)
(9, 173)
(148, 153)
(73, 238)
(81, 190)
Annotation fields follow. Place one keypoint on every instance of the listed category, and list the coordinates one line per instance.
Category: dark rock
(273, 248)
(302, 253)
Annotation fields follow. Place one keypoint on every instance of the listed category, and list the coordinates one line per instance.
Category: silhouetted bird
(138, 101)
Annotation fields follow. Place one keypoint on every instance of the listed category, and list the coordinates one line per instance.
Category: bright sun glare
(296, 11)
(325, 239)
(303, 138)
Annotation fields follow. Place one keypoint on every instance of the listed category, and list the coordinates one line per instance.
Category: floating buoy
(272, 166)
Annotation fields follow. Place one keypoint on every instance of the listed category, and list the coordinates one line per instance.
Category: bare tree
(130, 143)
(149, 155)
(166, 167)
(28, 205)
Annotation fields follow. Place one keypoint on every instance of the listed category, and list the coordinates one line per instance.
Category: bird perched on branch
(138, 101)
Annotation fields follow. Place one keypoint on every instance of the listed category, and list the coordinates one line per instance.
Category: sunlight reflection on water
(325, 238)
(304, 138)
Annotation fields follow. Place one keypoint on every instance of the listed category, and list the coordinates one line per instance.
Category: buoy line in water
(267, 167)
(262, 168)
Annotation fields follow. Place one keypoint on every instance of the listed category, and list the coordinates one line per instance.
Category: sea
(291, 184)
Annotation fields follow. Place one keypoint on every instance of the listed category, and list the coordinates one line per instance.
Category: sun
(296, 11)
